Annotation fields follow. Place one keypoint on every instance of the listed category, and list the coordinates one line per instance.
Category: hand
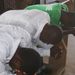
(18, 72)
(68, 30)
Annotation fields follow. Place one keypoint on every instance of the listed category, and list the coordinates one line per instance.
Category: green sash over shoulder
(54, 11)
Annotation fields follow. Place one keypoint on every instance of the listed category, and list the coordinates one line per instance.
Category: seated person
(36, 23)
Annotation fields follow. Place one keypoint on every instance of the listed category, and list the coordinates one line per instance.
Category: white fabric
(17, 27)
(43, 51)
(32, 21)
(17, 33)
(10, 38)
(6, 45)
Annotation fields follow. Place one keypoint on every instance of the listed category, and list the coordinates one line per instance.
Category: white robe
(31, 20)
(27, 26)
(10, 38)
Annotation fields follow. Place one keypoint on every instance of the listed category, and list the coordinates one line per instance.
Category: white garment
(32, 21)
(7, 47)
(10, 38)
(17, 27)
(46, 1)
(17, 33)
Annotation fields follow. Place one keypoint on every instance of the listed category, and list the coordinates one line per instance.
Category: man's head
(51, 34)
(26, 60)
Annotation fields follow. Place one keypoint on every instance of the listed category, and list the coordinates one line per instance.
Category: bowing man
(37, 24)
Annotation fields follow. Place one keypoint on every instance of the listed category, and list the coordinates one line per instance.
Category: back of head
(31, 61)
(51, 34)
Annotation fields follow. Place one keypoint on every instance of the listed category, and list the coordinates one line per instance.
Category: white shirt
(32, 21)
(10, 38)
(6, 51)
(17, 33)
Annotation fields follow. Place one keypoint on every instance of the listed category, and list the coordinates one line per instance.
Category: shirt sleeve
(5, 45)
(42, 48)
(3, 70)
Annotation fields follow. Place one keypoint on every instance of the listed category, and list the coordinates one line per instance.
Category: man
(35, 22)
(19, 27)
(25, 61)
(9, 42)
(15, 56)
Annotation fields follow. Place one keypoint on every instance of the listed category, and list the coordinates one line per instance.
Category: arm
(70, 30)
(5, 45)
(3, 55)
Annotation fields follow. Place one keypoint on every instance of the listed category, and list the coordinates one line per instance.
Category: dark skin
(66, 30)
(69, 30)
(68, 21)
(50, 34)
(16, 60)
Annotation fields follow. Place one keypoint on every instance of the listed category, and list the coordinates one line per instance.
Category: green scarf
(54, 11)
